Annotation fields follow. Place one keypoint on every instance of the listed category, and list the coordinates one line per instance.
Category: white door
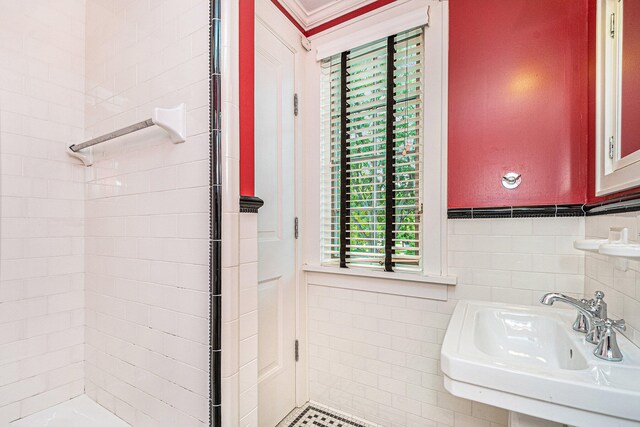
(274, 159)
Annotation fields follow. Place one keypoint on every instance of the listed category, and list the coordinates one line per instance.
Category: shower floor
(80, 411)
(315, 415)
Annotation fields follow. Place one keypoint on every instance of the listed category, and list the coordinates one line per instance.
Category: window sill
(404, 284)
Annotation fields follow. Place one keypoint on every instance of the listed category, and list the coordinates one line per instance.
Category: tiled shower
(105, 280)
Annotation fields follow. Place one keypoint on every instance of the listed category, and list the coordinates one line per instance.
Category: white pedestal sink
(529, 360)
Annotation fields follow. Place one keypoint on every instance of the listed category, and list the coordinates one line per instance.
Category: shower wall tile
(147, 213)
(42, 56)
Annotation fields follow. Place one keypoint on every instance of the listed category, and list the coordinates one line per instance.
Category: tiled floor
(314, 415)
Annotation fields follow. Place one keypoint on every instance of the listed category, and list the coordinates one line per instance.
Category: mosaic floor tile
(312, 415)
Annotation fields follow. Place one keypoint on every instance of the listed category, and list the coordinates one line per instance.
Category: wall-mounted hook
(511, 180)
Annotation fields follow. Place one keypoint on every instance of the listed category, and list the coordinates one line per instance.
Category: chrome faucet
(592, 320)
(599, 310)
(586, 310)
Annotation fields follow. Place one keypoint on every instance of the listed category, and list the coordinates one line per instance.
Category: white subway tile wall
(515, 260)
(41, 206)
(239, 257)
(621, 288)
(376, 356)
(147, 213)
(248, 321)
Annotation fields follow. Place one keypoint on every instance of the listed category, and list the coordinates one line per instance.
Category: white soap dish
(623, 250)
(589, 245)
(616, 246)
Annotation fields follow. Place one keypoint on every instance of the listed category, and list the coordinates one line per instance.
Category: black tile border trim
(543, 211)
(622, 204)
(626, 203)
(215, 218)
(250, 204)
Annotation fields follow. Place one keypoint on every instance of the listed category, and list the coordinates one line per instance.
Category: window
(372, 143)
(617, 105)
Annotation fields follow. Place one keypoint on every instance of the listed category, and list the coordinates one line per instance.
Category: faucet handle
(608, 325)
(598, 301)
(601, 326)
(599, 305)
(607, 347)
(619, 324)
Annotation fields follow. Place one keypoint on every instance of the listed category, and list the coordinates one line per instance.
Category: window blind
(371, 129)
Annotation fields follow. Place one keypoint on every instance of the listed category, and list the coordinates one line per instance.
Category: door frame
(272, 18)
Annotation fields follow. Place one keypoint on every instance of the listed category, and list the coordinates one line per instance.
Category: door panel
(274, 149)
(270, 321)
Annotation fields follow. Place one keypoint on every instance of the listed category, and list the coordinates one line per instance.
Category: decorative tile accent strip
(541, 211)
(626, 203)
(517, 212)
(250, 204)
(570, 210)
(460, 213)
(491, 212)
(215, 224)
(315, 415)
(617, 206)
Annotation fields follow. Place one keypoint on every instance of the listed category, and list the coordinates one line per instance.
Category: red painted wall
(246, 24)
(518, 101)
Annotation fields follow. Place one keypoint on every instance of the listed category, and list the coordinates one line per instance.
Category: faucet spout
(587, 310)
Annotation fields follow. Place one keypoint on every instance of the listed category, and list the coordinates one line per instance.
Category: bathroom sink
(529, 360)
(526, 339)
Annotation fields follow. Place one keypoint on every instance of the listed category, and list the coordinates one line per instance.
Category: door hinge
(611, 147)
(296, 228)
(297, 350)
(612, 30)
(295, 104)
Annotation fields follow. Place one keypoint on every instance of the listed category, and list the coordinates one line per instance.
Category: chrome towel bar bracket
(173, 120)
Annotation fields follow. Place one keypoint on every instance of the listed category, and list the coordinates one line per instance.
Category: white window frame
(615, 174)
(393, 19)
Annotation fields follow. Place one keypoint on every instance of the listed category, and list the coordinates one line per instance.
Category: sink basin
(526, 339)
(529, 360)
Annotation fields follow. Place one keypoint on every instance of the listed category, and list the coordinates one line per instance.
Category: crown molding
(330, 10)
